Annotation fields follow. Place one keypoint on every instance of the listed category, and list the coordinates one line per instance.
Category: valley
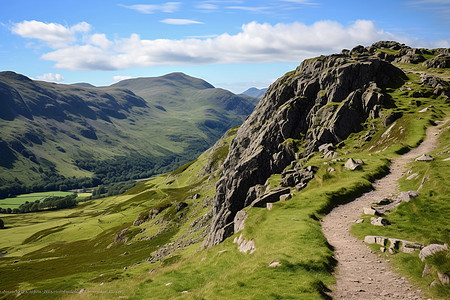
(61, 137)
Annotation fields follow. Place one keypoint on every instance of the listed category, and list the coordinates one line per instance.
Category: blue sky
(231, 44)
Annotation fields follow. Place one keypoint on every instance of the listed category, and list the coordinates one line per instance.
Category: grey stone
(359, 221)
(269, 206)
(369, 211)
(272, 196)
(407, 196)
(426, 270)
(331, 170)
(379, 221)
(285, 197)
(424, 157)
(412, 176)
(239, 220)
(275, 264)
(444, 278)
(434, 283)
(352, 164)
(431, 250)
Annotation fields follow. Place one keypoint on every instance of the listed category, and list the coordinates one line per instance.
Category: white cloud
(180, 21)
(55, 35)
(255, 43)
(207, 6)
(51, 77)
(100, 40)
(306, 2)
(118, 78)
(168, 7)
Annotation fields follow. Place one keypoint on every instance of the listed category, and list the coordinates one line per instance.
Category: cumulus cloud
(50, 77)
(254, 43)
(168, 7)
(180, 21)
(55, 35)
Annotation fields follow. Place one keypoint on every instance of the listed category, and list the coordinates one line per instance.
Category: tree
(2, 224)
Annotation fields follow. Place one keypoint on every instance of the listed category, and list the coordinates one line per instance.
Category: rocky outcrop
(321, 102)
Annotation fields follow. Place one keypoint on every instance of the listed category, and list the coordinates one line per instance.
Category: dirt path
(362, 274)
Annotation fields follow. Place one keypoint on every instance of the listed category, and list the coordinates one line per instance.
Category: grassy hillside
(147, 243)
(58, 136)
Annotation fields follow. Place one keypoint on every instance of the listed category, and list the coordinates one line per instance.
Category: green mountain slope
(152, 241)
(133, 129)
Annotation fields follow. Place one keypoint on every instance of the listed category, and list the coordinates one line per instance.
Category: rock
(331, 170)
(434, 283)
(406, 196)
(359, 221)
(412, 176)
(196, 196)
(269, 206)
(384, 201)
(383, 249)
(371, 239)
(285, 197)
(239, 220)
(121, 237)
(426, 270)
(440, 61)
(431, 250)
(272, 196)
(369, 211)
(352, 165)
(447, 159)
(180, 206)
(425, 109)
(293, 107)
(379, 221)
(169, 283)
(290, 178)
(444, 278)
(424, 157)
(244, 245)
(275, 264)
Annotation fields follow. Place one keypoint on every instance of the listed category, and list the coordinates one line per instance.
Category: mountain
(254, 92)
(57, 136)
(244, 219)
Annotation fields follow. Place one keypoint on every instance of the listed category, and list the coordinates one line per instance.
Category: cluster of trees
(124, 168)
(53, 203)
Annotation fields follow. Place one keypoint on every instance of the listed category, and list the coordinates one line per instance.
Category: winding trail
(362, 274)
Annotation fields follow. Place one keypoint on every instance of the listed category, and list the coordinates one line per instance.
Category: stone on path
(369, 211)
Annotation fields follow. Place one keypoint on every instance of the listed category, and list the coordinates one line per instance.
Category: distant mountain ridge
(254, 92)
(142, 126)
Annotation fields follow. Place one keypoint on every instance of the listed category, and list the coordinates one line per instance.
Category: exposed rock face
(324, 100)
